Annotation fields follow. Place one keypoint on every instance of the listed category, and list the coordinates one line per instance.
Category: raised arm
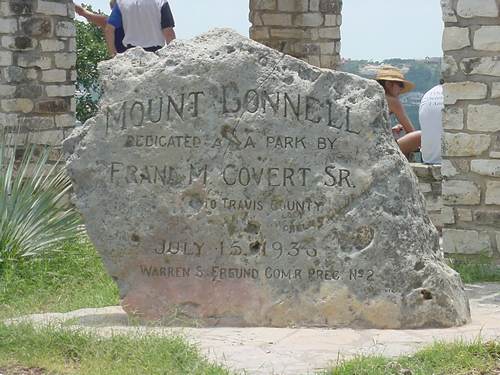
(97, 19)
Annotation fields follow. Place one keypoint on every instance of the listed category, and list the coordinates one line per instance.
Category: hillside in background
(424, 73)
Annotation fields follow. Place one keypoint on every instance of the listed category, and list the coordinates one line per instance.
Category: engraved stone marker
(225, 183)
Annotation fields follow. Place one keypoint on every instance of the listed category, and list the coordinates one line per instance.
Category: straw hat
(391, 73)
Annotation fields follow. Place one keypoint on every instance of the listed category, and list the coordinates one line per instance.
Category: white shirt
(431, 123)
(142, 22)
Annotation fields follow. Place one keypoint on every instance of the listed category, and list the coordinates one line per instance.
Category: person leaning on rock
(395, 84)
(101, 20)
(431, 122)
(147, 24)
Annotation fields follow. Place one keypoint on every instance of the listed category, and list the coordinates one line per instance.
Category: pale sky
(371, 29)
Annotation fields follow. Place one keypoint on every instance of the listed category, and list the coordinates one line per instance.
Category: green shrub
(33, 212)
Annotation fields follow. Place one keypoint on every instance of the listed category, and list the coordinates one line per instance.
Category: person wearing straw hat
(395, 84)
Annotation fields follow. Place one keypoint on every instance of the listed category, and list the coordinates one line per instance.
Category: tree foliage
(91, 49)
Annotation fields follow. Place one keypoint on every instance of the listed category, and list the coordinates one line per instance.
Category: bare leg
(410, 142)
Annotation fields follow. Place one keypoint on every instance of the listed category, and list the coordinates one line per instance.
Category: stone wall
(37, 69)
(429, 178)
(306, 29)
(471, 121)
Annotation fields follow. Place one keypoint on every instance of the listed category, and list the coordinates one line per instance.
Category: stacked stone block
(429, 178)
(37, 69)
(471, 121)
(306, 29)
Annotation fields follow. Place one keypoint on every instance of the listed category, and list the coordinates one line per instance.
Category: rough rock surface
(225, 183)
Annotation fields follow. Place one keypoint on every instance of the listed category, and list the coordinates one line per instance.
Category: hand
(81, 11)
(397, 129)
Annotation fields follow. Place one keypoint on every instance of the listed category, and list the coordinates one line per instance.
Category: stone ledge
(429, 178)
(427, 172)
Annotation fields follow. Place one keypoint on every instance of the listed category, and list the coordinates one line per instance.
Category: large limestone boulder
(225, 183)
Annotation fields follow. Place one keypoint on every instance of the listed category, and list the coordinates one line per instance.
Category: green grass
(72, 277)
(65, 352)
(476, 270)
(478, 358)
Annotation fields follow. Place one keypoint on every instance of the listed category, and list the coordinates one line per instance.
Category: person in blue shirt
(147, 24)
(101, 20)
